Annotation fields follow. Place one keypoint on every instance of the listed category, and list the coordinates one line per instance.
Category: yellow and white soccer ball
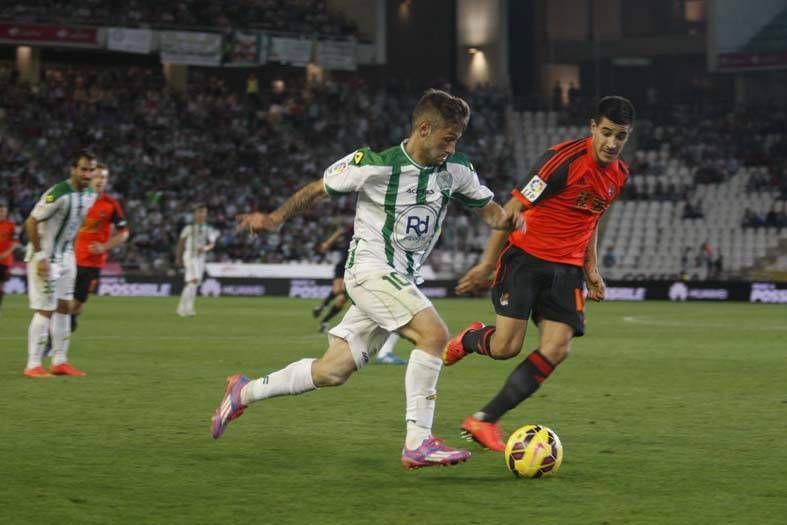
(534, 451)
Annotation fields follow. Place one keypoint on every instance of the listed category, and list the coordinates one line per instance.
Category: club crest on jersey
(358, 157)
(534, 188)
(50, 198)
(445, 181)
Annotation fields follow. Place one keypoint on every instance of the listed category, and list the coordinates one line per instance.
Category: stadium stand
(212, 144)
(301, 16)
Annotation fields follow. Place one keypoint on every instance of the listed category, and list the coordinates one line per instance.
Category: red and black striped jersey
(564, 196)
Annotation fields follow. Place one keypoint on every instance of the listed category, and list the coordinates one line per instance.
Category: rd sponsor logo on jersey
(415, 227)
(534, 188)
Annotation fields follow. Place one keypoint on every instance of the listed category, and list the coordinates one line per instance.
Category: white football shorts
(44, 293)
(383, 302)
(194, 268)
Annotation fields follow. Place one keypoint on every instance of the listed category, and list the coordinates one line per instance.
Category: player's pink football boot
(230, 407)
(433, 452)
(454, 351)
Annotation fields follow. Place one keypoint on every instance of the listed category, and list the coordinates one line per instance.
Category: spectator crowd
(212, 144)
(291, 16)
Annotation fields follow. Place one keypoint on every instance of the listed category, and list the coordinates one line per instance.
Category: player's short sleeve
(545, 178)
(467, 189)
(348, 174)
(47, 205)
(185, 232)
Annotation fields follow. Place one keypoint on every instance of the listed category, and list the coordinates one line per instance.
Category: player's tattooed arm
(303, 199)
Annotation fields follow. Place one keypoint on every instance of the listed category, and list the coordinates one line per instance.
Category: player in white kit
(195, 241)
(51, 266)
(402, 195)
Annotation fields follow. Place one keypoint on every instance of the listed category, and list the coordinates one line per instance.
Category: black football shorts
(86, 282)
(528, 287)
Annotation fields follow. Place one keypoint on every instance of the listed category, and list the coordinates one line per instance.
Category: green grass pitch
(668, 413)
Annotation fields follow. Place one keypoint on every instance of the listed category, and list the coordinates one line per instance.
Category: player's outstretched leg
(433, 452)
(485, 433)
(230, 407)
(455, 350)
(294, 379)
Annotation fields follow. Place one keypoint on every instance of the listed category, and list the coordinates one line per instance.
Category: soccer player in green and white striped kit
(51, 265)
(403, 195)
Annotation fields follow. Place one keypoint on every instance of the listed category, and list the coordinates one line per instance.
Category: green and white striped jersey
(60, 212)
(401, 205)
(197, 236)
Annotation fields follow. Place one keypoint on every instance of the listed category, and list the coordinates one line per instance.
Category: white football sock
(292, 380)
(61, 337)
(36, 339)
(388, 346)
(191, 297)
(186, 304)
(182, 302)
(420, 385)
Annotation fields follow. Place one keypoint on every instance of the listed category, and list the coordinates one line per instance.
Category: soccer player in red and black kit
(95, 240)
(540, 273)
(7, 244)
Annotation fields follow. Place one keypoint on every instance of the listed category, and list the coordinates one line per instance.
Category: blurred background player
(195, 241)
(95, 240)
(337, 298)
(7, 244)
(540, 270)
(403, 193)
(386, 355)
(51, 266)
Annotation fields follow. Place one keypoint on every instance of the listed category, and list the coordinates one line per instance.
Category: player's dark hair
(199, 206)
(619, 110)
(450, 109)
(101, 166)
(82, 154)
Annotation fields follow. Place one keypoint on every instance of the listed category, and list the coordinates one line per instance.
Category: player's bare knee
(340, 300)
(555, 352)
(329, 375)
(434, 341)
(506, 351)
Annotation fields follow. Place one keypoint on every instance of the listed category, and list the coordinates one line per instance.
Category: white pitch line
(659, 322)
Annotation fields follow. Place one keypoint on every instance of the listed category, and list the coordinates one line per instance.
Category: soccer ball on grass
(534, 451)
